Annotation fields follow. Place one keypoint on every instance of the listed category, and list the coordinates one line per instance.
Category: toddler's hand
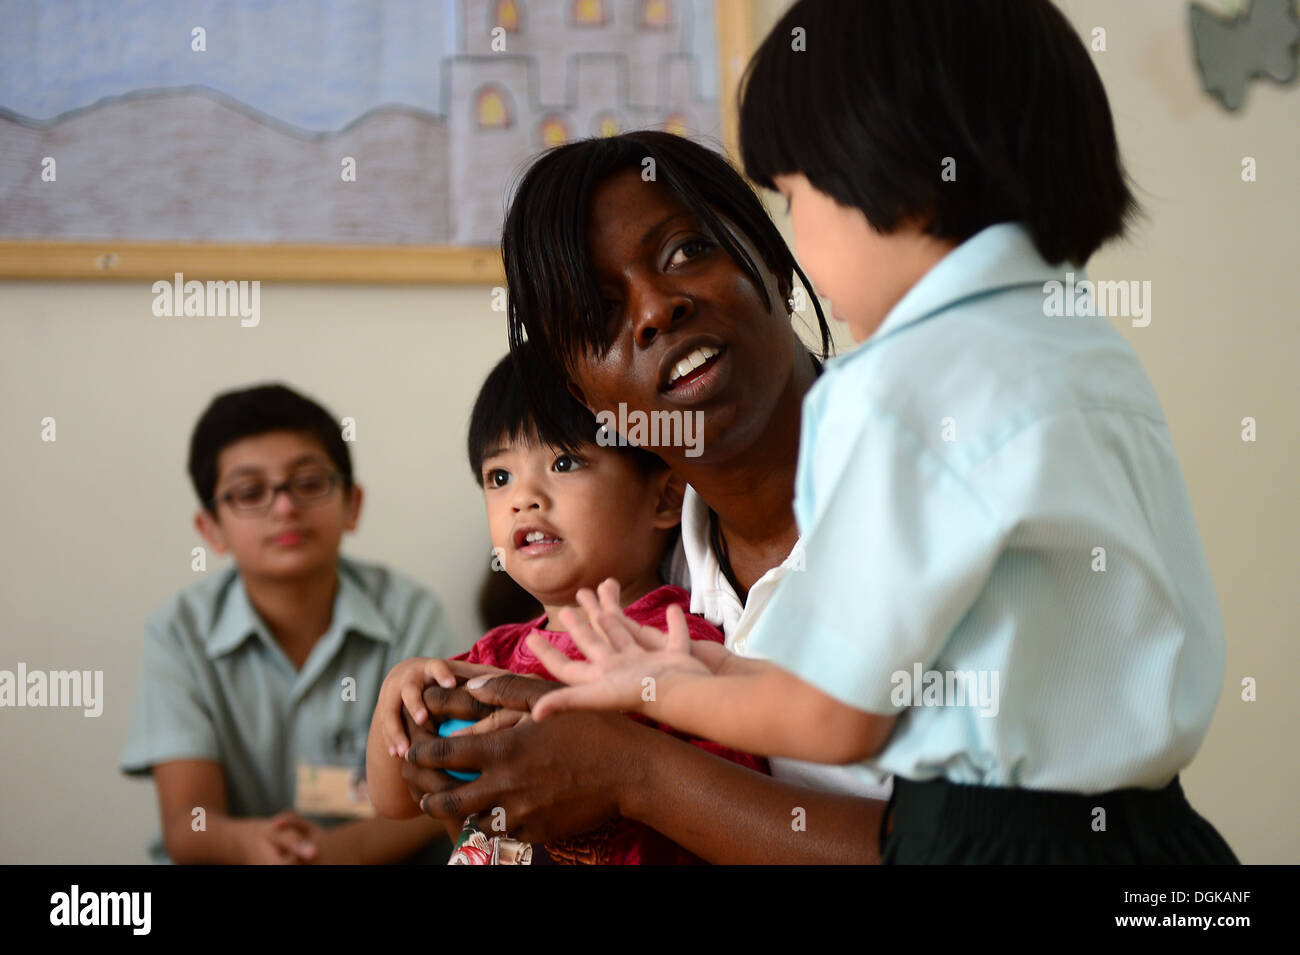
(403, 687)
(627, 659)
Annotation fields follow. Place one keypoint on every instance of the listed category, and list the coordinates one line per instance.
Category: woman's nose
(658, 312)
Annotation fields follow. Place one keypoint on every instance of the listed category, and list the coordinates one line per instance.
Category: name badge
(332, 791)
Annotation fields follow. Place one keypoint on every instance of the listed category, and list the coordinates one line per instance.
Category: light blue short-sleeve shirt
(215, 685)
(998, 542)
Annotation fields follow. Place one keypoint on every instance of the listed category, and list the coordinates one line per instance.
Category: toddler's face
(291, 538)
(863, 272)
(560, 522)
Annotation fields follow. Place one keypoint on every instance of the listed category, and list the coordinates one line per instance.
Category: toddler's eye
(497, 477)
(568, 462)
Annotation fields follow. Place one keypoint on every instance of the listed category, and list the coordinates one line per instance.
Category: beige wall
(97, 525)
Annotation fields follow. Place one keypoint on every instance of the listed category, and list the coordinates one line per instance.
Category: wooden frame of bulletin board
(414, 264)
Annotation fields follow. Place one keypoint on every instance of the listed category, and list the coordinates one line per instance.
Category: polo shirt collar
(354, 611)
(998, 257)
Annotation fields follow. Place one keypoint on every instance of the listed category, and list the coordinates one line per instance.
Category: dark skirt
(938, 822)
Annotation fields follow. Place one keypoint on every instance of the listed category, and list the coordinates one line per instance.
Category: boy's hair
(886, 91)
(504, 411)
(555, 300)
(236, 415)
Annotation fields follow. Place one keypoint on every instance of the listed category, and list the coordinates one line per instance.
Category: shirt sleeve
(896, 548)
(171, 718)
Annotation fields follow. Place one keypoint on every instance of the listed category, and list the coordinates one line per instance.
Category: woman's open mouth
(695, 375)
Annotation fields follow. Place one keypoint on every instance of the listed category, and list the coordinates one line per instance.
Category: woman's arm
(727, 814)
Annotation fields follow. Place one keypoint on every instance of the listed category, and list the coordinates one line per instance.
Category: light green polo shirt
(999, 546)
(215, 685)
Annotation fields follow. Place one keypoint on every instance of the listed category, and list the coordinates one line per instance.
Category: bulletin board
(324, 140)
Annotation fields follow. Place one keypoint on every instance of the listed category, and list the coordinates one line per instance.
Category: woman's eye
(567, 462)
(497, 478)
(699, 245)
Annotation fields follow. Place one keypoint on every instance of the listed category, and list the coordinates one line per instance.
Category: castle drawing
(569, 69)
(438, 120)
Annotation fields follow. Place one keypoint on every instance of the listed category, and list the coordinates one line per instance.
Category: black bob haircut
(236, 415)
(520, 402)
(886, 90)
(554, 298)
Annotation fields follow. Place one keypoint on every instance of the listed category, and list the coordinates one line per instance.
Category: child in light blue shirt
(257, 683)
(1004, 600)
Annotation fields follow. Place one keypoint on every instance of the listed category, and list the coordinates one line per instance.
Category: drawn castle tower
(635, 71)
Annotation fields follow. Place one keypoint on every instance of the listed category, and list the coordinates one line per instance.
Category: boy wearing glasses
(258, 682)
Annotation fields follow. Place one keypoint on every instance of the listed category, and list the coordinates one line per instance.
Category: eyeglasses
(256, 498)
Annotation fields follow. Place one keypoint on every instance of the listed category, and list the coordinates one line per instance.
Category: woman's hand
(576, 771)
(554, 780)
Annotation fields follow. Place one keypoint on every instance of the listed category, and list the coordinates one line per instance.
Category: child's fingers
(413, 699)
(462, 668)
(598, 612)
(591, 607)
(608, 593)
(288, 819)
(500, 720)
(618, 630)
(679, 634)
(647, 637)
(285, 840)
(599, 606)
(390, 725)
(564, 669)
(437, 671)
(593, 646)
(593, 696)
(296, 846)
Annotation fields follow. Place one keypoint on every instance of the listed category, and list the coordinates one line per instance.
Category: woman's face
(690, 331)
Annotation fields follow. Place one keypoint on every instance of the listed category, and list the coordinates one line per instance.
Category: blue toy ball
(446, 729)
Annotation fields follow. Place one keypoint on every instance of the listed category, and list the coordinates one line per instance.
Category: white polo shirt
(695, 567)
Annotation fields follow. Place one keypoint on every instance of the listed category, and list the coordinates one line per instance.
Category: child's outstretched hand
(627, 660)
(404, 687)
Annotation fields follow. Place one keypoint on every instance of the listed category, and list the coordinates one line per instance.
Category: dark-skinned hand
(443, 704)
(554, 779)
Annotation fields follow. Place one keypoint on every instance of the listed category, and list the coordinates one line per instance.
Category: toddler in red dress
(569, 504)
